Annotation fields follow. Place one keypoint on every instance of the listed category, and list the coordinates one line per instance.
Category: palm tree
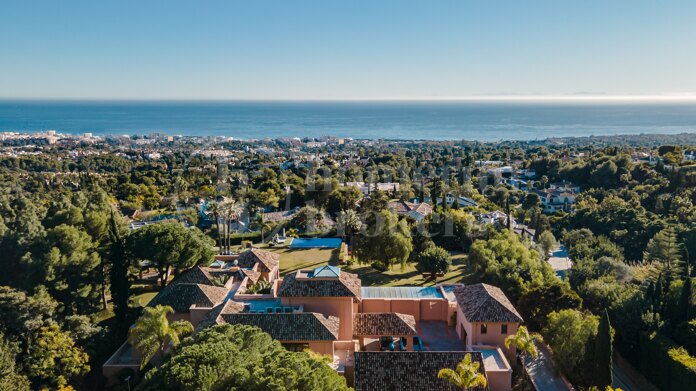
(214, 209)
(260, 223)
(350, 221)
(466, 376)
(231, 212)
(152, 333)
(524, 341)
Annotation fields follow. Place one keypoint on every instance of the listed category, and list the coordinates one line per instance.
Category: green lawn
(459, 272)
(296, 259)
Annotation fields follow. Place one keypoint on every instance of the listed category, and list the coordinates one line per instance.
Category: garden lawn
(292, 260)
(460, 272)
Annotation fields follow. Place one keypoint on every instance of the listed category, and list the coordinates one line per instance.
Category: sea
(484, 120)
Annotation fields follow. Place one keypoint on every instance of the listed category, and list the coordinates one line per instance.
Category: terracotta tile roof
(195, 275)
(202, 275)
(182, 296)
(298, 285)
(252, 274)
(405, 371)
(485, 303)
(267, 260)
(400, 206)
(423, 208)
(383, 323)
(403, 207)
(303, 326)
(213, 316)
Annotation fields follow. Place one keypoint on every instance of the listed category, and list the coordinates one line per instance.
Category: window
(484, 328)
(503, 329)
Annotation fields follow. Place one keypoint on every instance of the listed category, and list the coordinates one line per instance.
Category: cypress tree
(684, 305)
(603, 352)
(120, 285)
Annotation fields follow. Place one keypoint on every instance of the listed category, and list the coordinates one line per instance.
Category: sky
(350, 49)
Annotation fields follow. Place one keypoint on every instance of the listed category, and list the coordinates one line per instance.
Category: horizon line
(490, 98)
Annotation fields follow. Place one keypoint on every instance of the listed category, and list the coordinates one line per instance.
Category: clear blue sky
(295, 49)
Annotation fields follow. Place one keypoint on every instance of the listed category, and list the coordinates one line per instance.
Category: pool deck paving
(437, 336)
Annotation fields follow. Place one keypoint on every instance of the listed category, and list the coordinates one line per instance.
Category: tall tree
(665, 249)
(10, 376)
(152, 333)
(434, 260)
(683, 312)
(240, 357)
(170, 245)
(120, 284)
(54, 359)
(603, 352)
(386, 240)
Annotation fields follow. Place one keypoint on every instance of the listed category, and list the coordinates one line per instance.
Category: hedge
(667, 365)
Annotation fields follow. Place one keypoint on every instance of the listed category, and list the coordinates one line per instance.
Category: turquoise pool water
(401, 292)
(316, 243)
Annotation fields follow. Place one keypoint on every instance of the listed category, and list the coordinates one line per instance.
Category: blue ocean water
(437, 120)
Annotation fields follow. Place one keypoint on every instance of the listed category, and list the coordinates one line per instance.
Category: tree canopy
(240, 357)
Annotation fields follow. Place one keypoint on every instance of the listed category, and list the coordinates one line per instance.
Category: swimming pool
(316, 243)
(400, 292)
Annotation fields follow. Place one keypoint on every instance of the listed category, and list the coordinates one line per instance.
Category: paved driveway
(543, 372)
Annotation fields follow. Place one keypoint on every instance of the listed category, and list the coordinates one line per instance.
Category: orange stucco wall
(499, 380)
(322, 347)
(342, 307)
(421, 309)
(493, 337)
(197, 314)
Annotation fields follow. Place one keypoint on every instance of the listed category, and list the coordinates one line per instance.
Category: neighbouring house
(518, 184)
(461, 200)
(565, 186)
(380, 338)
(496, 218)
(366, 187)
(553, 200)
(277, 217)
(417, 211)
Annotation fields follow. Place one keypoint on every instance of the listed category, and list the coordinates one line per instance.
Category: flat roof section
(401, 292)
(492, 359)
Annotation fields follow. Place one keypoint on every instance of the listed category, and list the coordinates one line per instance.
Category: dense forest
(71, 264)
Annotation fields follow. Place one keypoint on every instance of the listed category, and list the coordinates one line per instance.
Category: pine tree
(603, 352)
(665, 249)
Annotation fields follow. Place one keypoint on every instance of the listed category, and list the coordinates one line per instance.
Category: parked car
(386, 343)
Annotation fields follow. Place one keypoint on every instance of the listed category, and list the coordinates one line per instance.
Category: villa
(380, 338)
(417, 211)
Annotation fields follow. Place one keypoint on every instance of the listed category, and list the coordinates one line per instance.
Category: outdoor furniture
(402, 344)
(386, 343)
(417, 344)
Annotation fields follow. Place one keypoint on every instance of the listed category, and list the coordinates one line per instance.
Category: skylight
(326, 272)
